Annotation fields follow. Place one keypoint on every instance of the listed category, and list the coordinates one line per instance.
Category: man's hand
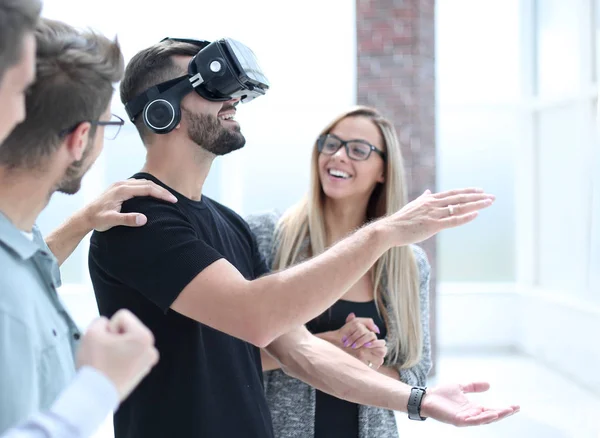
(449, 404)
(431, 213)
(105, 212)
(121, 348)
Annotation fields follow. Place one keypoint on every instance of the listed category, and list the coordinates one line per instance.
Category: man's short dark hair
(76, 73)
(150, 67)
(17, 17)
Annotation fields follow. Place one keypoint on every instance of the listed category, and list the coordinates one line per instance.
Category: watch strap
(414, 403)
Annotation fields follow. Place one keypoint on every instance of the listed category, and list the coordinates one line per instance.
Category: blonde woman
(357, 175)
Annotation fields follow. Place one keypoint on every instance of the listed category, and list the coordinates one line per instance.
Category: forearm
(335, 372)
(292, 297)
(269, 363)
(63, 241)
(389, 372)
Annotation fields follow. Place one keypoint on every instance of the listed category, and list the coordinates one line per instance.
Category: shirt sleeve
(19, 395)
(77, 413)
(159, 259)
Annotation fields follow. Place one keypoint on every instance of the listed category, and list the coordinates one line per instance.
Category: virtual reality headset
(222, 70)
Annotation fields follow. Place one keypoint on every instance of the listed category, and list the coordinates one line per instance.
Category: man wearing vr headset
(194, 274)
(37, 336)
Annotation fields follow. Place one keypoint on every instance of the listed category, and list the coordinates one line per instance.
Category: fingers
(125, 322)
(487, 416)
(375, 360)
(353, 324)
(457, 221)
(379, 352)
(367, 322)
(455, 192)
(131, 189)
(370, 324)
(475, 387)
(482, 418)
(98, 325)
(507, 412)
(464, 198)
(461, 209)
(356, 328)
(379, 343)
(127, 219)
(153, 357)
(362, 340)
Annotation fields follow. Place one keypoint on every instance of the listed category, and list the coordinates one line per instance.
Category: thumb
(427, 192)
(475, 387)
(130, 219)
(350, 317)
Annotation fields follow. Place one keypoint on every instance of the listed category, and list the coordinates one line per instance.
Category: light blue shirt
(38, 340)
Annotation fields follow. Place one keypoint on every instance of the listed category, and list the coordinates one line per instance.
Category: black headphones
(161, 105)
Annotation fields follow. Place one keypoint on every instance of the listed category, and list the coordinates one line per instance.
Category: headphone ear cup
(161, 116)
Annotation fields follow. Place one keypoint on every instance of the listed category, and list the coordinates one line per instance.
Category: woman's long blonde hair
(395, 277)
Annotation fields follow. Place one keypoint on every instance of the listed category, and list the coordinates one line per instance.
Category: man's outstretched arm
(261, 310)
(331, 370)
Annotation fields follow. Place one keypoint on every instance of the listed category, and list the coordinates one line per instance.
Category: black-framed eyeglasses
(358, 150)
(112, 127)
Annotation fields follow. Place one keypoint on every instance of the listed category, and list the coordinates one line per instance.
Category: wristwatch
(414, 403)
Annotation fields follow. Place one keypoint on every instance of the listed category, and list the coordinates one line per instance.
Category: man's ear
(77, 140)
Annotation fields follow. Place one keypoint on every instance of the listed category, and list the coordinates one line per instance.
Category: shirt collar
(11, 237)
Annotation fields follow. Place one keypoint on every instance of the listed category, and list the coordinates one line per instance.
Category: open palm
(449, 404)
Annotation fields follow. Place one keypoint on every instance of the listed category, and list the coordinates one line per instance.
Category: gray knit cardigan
(292, 402)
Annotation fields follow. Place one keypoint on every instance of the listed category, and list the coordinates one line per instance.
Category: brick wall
(395, 63)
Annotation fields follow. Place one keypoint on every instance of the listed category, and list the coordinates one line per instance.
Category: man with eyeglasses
(55, 144)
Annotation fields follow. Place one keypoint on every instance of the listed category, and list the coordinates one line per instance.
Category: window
(478, 128)
(559, 48)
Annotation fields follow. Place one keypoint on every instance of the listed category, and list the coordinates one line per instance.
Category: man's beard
(207, 132)
(71, 182)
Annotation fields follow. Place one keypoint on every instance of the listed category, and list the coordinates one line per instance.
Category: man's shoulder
(229, 214)
(12, 266)
(143, 204)
(222, 208)
(157, 212)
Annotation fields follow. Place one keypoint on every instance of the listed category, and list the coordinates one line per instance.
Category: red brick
(396, 74)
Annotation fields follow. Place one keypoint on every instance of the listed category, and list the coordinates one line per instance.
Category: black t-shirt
(206, 383)
(334, 417)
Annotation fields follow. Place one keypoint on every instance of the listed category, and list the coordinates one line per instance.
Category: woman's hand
(358, 337)
(357, 332)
